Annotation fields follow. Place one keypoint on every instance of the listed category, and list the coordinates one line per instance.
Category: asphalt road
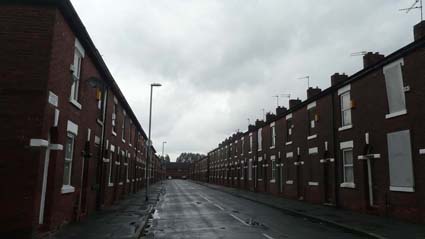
(189, 210)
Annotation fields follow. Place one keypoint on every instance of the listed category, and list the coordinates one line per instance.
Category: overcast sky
(220, 62)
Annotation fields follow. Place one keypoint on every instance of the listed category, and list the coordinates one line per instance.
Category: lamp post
(149, 142)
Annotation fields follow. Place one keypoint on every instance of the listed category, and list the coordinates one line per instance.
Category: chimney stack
(419, 31)
(371, 59)
(251, 127)
(294, 102)
(280, 110)
(270, 117)
(259, 123)
(313, 91)
(337, 78)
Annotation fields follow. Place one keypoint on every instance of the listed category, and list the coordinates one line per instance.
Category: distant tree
(166, 158)
(188, 157)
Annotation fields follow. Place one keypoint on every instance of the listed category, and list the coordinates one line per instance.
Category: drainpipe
(99, 165)
(335, 151)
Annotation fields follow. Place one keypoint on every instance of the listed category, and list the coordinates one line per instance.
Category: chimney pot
(371, 59)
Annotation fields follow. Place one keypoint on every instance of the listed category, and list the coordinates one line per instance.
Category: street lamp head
(156, 84)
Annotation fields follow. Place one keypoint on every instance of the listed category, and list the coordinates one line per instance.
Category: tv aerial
(416, 5)
(359, 53)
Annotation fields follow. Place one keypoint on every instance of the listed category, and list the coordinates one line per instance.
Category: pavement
(125, 219)
(190, 210)
(367, 225)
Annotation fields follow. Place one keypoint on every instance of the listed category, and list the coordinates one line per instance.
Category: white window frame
(114, 118)
(66, 186)
(123, 127)
(347, 146)
(112, 152)
(273, 166)
(242, 147)
(250, 169)
(403, 111)
(79, 54)
(345, 123)
(260, 139)
(250, 142)
(273, 135)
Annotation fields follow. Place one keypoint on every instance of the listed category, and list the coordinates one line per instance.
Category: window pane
(345, 101)
(400, 159)
(66, 173)
(394, 86)
(346, 117)
(348, 157)
(69, 147)
(348, 174)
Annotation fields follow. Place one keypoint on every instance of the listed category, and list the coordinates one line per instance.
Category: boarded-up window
(395, 87)
(250, 169)
(400, 161)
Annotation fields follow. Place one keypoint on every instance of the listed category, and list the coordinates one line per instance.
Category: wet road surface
(189, 210)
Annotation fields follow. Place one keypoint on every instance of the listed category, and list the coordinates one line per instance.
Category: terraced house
(359, 144)
(71, 143)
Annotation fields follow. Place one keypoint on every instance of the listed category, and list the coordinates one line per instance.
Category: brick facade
(333, 148)
(39, 43)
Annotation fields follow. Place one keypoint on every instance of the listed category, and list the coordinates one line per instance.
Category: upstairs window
(395, 89)
(345, 109)
(250, 142)
(311, 114)
(123, 128)
(273, 134)
(289, 129)
(242, 145)
(260, 139)
(114, 118)
(76, 71)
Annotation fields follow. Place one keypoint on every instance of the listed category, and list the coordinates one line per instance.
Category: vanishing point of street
(190, 210)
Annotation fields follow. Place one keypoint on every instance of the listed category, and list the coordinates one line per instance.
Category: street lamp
(149, 142)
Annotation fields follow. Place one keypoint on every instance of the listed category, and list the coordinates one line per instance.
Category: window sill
(260, 179)
(123, 140)
(75, 103)
(345, 127)
(313, 183)
(120, 183)
(288, 143)
(347, 185)
(110, 184)
(289, 182)
(273, 181)
(67, 189)
(114, 133)
(312, 137)
(272, 147)
(402, 189)
(105, 160)
(395, 114)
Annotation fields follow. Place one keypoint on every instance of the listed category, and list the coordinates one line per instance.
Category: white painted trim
(402, 189)
(314, 150)
(346, 144)
(313, 183)
(395, 114)
(289, 116)
(39, 143)
(347, 185)
(272, 147)
(75, 103)
(79, 47)
(289, 155)
(72, 127)
(114, 133)
(342, 128)
(344, 89)
(312, 137)
(105, 160)
(273, 181)
(96, 140)
(288, 143)
(272, 157)
(311, 105)
(289, 182)
(56, 118)
(272, 124)
(53, 99)
(392, 64)
(110, 184)
(67, 189)
(421, 151)
(112, 148)
(56, 147)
